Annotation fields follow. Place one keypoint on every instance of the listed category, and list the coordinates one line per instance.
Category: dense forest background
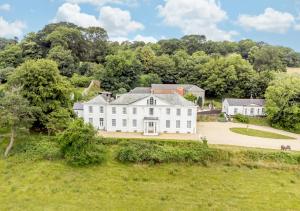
(235, 69)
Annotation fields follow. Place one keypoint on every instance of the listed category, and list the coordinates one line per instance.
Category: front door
(151, 128)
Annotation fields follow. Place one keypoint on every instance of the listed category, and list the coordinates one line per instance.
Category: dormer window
(152, 101)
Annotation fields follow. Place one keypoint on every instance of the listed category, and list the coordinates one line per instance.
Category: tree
(164, 67)
(4, 74)
(78, 144)
(283, 102)
(43, 86)
(11, 56)
(147, 79)
(58, 120)
(190, 97)
(64, 59)
(193, 43)
(15, 113)
(122, 71)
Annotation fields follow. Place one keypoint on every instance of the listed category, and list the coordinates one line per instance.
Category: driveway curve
(219, 133)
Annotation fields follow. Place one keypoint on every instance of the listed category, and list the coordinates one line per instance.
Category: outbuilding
(247, 107)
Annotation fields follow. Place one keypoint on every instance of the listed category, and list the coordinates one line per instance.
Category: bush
(242, 118)
(80, 81)
(150, 152)
(37, 147)
(79, 145)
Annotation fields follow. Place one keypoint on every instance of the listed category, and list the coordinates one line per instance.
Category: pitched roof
(172, 99)
(187, 87)
(98, 100)
(78, 106)
(141, 90)
(245, 102)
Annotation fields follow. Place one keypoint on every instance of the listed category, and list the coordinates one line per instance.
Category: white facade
(231, 108)
(149, 114)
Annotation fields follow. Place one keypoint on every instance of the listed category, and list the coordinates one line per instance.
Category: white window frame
(101, 122)
(168, 111)
(189, 124)
(124, 110)
(91, 120)
(134, 123)
(190, 112)
(90, 109)
(113, 110)
(113, 122)
(178, 112)
(101, 109)
(134, 110)
(168, 124)
(124, 122)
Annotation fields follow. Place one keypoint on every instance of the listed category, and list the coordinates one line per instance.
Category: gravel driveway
(219, 133)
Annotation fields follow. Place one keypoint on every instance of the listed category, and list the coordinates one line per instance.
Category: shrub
(79, 145)
(37, 148)
(242, 118)
(150, 152)
(80, 81)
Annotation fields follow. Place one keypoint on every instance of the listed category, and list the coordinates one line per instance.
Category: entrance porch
(151, 125)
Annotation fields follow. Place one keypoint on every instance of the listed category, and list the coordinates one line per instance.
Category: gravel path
(219, 133)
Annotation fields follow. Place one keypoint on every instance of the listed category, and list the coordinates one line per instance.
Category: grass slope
(48, 185)
(259, 133)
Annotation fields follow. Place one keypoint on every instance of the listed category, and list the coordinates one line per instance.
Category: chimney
(180, 91)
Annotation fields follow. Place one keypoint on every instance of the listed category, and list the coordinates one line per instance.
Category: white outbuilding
(247, 107)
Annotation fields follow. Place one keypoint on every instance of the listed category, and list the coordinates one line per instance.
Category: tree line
(39, 73)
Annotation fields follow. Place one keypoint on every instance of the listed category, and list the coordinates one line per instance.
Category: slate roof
(78, 106)
(172, 99)
(245, 102)
(187, 87)
(98, 100)
(141, 90)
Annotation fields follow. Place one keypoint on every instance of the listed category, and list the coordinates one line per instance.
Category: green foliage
(5, 73)
(147, 79)
(78, 145)
(80, 81)
(242, 118)
(138, 152)
(11, 56)
(283, 102)
(259, 133)
(64, 59)
(190, 97)
(43, 87)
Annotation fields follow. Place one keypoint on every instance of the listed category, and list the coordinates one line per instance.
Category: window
(252, 111)
(124, 122)
(168, 111)
(91, 109)
(178, 112)
(168, 124)
(246, 111)
(113, 110)
(189, 124)
(263, 110)
(235, 110)
(177, 123)
(151, 111)
(133, 110)
(91, 120)
(114, 122)
(151, 101)
(134, 123)
(101, 120)
(258, 111)
(189, 112)
(124, 110)
(101, 110)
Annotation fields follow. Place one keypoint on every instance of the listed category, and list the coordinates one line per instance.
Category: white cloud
(270, 21)
(297, 27)
(138, 37)
(72, 13)
(117, 22)
(102, 2)
(145, 39)
(5, 7)
(196, 17)
(10, 29)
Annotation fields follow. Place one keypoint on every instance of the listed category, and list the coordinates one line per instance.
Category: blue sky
(273, 21)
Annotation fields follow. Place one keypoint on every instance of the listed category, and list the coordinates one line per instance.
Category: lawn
(46, 185)
(259, 133)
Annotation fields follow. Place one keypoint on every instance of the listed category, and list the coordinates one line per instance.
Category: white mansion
(148, 113)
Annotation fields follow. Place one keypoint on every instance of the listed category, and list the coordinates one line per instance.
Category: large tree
(283, 102)
(43, 87)
(15, 113)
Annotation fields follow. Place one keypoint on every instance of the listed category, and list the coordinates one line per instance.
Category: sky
(273, 21)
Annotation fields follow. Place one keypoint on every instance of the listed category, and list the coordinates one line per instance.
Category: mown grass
(36, 178)
(259, 133)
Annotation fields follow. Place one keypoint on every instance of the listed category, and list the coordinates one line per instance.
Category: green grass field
(259, 133)
(46, 185)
